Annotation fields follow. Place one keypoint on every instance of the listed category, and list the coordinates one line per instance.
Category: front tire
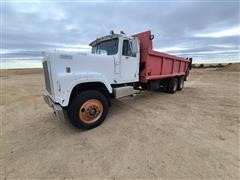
(88, 109)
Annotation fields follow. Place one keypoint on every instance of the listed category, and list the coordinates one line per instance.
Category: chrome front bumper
(57, 109)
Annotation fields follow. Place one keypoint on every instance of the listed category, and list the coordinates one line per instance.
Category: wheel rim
(91, 111)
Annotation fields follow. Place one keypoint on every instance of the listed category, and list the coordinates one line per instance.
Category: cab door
(129, 62)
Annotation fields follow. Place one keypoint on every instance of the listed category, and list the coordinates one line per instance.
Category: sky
(206, 30)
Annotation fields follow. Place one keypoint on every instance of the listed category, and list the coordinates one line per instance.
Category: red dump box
(156, 65)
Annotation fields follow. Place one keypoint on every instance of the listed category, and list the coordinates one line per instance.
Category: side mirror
(134, 46)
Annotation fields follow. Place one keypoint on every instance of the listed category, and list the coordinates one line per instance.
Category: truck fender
(90, 79)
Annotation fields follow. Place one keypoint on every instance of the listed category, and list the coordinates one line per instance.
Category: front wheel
(88, 110)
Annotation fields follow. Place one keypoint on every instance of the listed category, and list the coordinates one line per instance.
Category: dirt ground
(193, 134)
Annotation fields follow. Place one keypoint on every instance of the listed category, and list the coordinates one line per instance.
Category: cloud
(189, 27)
(170, 49)
(228, 32)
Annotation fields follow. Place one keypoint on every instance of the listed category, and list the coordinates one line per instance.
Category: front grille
(46, 76)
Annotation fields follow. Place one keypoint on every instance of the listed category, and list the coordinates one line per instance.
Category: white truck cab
(82, 84)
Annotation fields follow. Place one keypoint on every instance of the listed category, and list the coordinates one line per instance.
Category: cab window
(126, 51)
(108, 47)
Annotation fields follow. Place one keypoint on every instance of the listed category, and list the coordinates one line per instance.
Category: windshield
(109, 47)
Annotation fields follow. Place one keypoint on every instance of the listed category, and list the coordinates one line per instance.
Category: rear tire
(173, 85)
(180, 83)
(88, 109)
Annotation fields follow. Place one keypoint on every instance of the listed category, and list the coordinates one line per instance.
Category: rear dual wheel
(175, 84)
(180, 83)
(172, 85)
(88, 110)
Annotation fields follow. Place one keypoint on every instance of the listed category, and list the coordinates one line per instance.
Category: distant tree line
(209, 65)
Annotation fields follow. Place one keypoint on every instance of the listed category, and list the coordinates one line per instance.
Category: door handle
(126, 57)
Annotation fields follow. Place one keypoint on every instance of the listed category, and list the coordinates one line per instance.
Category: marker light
(68, 69)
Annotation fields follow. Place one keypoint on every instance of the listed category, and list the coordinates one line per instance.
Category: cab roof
(105, 38)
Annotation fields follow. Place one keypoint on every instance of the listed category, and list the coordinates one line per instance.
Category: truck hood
(68, 69)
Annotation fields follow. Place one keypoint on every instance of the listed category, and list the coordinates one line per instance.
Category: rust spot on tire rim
(91, 111)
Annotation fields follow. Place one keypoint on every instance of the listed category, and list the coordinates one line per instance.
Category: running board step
(124, 91)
